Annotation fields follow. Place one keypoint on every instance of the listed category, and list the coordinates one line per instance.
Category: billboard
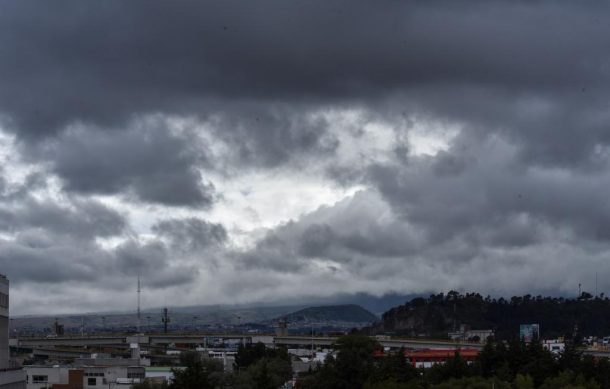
(527, 332)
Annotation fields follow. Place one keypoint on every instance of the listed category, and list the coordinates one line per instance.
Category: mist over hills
(368, 306)
(350, 313)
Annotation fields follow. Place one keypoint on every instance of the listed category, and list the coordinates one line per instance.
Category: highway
(166, 339)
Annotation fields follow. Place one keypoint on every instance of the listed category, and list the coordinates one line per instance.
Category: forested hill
(557, 316)
(346, 313)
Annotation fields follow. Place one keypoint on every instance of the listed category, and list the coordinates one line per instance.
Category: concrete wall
(55, 375)
(103, 376)
(12, 379)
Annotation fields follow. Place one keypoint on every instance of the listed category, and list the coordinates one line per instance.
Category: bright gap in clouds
(258, 200)
(429, 139)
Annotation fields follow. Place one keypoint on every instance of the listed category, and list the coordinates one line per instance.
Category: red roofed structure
(429, 357)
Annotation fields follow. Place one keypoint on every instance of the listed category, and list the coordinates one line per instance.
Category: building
(10, 377)
(529, 332)
(428, 357)
(226, 357)
(159, 374)
(555, 346)
(83, 377)
(4, 320)
(465, 334)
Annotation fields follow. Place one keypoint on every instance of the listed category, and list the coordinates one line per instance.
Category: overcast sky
(248, 151)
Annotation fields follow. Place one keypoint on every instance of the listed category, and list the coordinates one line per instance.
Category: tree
(391, 384)
(523, 382)
(354, 363)
(149, 385)
(196, 374)
(394, 368)
(249, 354)
(269, 373)
(567, 380)
(353, 366)
(472, 383)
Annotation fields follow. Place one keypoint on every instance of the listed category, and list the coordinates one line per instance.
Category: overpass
(389, 342)
(268, 340)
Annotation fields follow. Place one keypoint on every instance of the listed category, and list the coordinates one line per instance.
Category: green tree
(269, 373)
(354, 363)
(353, 366)
(394, 368)
(196, 374)
(540, 363)
(147, 384)
(472, 383)
(249, 354)
(391, 384)
(567, 380)
(455, 367)
(523, 382)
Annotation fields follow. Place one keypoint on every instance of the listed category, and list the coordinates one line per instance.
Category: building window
(135, 375)
(40, 379)
(91, 381)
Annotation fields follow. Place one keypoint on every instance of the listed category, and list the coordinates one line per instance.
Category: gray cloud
(534, 70)
(83, 219)
(93, 92)
(191, 234)
(148, 163)
(495, 191)
(44, 258)
(152, 261)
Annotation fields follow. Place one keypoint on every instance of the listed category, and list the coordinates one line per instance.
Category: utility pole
(138, 325)
(165, 320)
(312, 355)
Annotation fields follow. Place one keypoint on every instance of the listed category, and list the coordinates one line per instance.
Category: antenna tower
(138, 326)
(165, 320)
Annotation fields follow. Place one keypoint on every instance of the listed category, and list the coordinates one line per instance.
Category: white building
(554, 346)
(86, 377)
(226, 357)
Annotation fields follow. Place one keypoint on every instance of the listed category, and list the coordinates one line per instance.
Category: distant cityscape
(122, 350)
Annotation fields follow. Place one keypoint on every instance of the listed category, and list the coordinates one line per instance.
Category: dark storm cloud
(31, 262)
(535, 70)
(58, 241)
(83, 219)
(191, 234)
(495, 192)
(54, 242)
(90, 90)
(152, 261)
(149, 163)
(270, 135)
